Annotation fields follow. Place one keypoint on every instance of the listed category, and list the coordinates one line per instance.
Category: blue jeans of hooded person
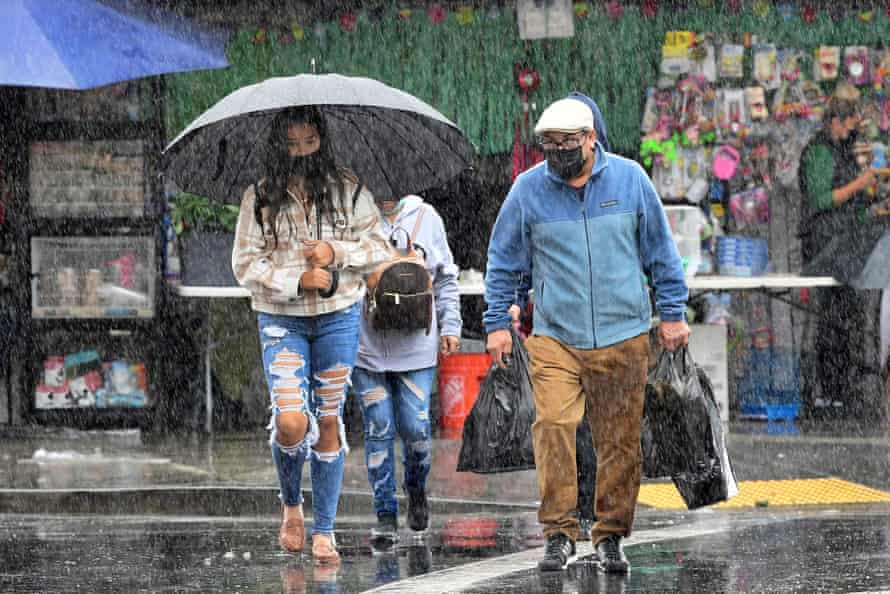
(308, 362)
(395, 402)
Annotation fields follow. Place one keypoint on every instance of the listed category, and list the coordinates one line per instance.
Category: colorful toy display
(728, 139)
(82, 379)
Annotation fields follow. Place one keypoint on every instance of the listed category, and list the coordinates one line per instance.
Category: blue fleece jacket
(586, 258)
(407, 351)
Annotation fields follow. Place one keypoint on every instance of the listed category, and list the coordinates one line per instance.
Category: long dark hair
(272, 193)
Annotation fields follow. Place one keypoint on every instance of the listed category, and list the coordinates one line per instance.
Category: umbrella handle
(221, 153)
(335, 282)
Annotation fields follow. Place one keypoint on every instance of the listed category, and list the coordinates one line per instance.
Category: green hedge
(466, 71)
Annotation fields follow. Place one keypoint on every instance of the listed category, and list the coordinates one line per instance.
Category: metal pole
(208, 361)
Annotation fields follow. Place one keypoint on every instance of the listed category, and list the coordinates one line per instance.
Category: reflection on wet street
(812, 555)
(477, 543)
(827, 553)
(151, 554)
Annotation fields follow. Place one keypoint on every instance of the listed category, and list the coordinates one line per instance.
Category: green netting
(467, 71)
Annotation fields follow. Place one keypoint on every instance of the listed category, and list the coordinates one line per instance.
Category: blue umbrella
(81, 44)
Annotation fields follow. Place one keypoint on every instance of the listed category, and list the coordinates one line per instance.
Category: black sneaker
(611, 555)
(559, 551)
(386, 533)
(418, 510)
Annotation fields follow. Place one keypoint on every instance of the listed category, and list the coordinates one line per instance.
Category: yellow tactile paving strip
(824, 491)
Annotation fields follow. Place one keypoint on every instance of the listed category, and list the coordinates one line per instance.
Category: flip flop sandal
(292, 535)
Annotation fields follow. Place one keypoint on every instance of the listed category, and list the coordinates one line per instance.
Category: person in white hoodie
(394, 373)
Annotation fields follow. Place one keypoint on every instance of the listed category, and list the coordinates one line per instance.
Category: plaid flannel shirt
(272, 273)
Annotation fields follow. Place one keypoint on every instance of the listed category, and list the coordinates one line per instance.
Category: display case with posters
(90, 236)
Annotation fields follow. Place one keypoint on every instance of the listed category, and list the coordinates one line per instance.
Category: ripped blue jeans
(308, 362)
(395, 402)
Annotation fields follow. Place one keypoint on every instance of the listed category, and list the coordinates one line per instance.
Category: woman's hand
(319, 254)
(317, 278)
(449, 344)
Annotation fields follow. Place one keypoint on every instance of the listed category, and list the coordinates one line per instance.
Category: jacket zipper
(589, 274)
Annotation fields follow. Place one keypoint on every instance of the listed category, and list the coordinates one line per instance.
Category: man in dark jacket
(588, 227)
(844, 377)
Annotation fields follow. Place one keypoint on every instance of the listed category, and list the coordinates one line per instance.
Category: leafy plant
(190, 211)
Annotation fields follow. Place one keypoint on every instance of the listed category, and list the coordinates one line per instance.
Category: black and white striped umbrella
(393, 141)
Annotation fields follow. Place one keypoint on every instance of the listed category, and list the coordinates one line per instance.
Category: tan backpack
(400, 291)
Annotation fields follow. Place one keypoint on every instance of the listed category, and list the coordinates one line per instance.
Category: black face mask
(308, 166)
(567, 164)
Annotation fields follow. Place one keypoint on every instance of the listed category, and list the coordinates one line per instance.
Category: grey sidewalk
(232, 474)
(200, 515)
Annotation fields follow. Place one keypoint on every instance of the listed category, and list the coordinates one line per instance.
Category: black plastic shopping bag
(497, 434)
(712, 481)
(682, 433)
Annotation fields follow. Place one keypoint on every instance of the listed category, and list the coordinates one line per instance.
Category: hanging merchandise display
(789, 139)
(750, 207)
(416, 46)
(539, 20)
(765, 66)
(675, 52)
(881, 87)
(826, 63)
(789, 99)
(732, 58)
(755, 100)
(726, 162)
(750, 126)
(856, 67)
(703, 59)
(732, 114)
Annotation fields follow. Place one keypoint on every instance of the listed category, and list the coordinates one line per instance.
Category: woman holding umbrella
(306, 233)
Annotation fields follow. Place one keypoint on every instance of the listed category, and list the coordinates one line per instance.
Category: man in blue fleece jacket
(588, 227)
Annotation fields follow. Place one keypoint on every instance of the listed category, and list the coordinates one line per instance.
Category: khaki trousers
(609, 385)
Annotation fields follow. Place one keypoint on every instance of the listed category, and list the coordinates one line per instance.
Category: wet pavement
(157, 554)
(793, 551)
(122, 511)
(776, 555)
(188, 554)
(67, 459)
